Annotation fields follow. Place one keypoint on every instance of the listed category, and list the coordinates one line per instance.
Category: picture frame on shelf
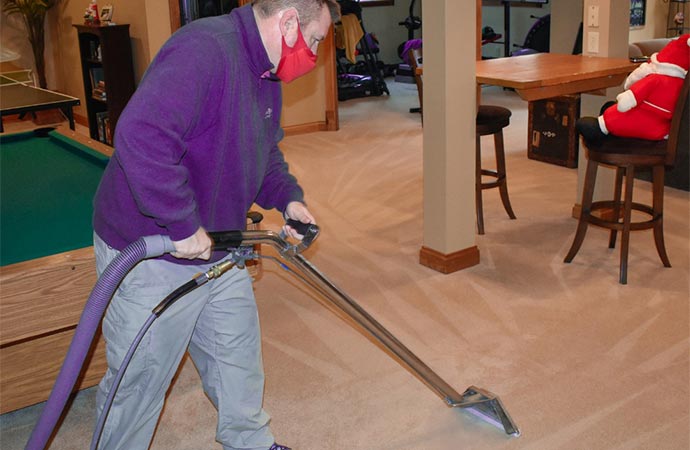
(107, 13)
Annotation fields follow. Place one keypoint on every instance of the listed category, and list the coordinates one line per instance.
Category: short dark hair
(308, 10)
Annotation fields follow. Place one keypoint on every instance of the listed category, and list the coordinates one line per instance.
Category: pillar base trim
(449, 263)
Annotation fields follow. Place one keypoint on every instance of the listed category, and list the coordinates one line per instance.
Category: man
(195, 147)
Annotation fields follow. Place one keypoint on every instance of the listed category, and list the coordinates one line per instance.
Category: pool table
(47, 266)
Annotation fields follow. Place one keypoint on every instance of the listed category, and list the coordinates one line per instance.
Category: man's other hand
(297, 211)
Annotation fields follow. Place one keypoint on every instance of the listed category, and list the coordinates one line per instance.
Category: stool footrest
(616, 224)
(500, 179)
(491, 184)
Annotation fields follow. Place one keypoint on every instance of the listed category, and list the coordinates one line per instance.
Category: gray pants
(217, 322)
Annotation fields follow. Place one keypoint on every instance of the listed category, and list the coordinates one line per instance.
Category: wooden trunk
(551, 135)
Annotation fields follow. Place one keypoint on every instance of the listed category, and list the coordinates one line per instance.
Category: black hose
(157, 311)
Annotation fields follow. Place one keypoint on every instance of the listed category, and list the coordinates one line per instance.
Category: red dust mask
(295, 61)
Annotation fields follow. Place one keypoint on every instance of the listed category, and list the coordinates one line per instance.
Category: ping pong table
(18, 96)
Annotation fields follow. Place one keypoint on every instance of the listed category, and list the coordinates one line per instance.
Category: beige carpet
(579, 361)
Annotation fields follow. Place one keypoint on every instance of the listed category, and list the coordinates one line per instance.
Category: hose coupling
(219, 269)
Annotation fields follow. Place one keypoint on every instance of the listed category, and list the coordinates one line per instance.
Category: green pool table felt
(47, 185)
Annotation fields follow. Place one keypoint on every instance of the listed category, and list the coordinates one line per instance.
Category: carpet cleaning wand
(477, 401)
(240, 244)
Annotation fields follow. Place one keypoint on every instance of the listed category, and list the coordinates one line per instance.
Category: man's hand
(297, 211)
(195, 246)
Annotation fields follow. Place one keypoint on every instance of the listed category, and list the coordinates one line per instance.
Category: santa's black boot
(589, 128)
(606, 106)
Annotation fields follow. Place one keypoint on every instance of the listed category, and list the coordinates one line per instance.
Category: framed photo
(107, 13)
(637, 12)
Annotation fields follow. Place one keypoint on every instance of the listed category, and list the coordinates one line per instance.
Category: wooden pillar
(449, 135)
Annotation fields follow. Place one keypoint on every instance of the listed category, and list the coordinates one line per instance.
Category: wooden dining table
(545, 75)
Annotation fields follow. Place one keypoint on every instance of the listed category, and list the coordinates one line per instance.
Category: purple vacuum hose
(145, 247)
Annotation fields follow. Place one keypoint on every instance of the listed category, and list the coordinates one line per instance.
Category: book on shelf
(94, 50)
(105, 134)
(96, 76)
(98, 92)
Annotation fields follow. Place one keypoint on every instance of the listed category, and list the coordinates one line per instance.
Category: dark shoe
(589, 128)
(606, 106)
(278, 447)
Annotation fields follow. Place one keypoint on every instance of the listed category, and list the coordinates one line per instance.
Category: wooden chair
(628, 155)
(491, 120)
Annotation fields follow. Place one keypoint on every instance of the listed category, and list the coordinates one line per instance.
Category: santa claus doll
(645, 108)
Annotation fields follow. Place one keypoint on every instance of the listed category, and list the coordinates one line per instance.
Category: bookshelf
(108, 74)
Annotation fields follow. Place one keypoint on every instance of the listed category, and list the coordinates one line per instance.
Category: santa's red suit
(645, 108)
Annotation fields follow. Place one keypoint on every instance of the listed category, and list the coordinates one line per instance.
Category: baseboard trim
(81, 120)
(449, 263)
(305, 128)
(332, 121)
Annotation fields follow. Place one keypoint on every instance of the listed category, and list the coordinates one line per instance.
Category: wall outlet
(593, 42)
(593, 16)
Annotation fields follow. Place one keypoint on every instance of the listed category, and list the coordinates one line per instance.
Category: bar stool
(628, 155)
(491, 120)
